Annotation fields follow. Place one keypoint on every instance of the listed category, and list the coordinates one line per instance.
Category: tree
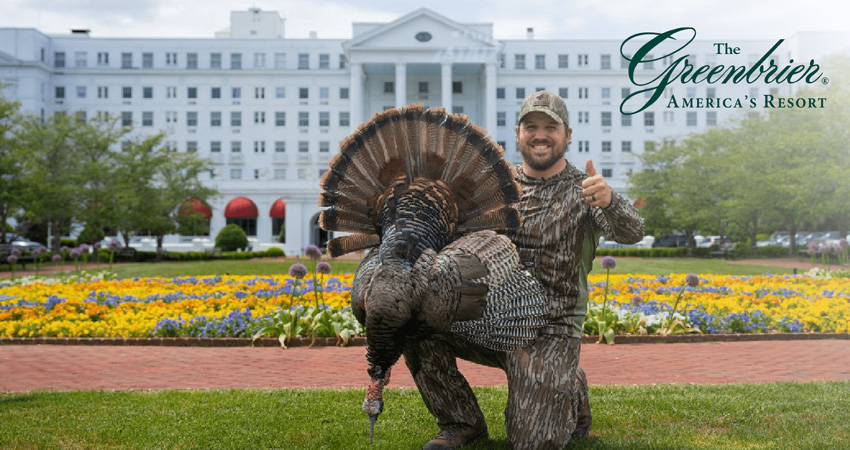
(11, 183)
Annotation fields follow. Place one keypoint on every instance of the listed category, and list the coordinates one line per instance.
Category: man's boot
(454, 436)
(583, 414)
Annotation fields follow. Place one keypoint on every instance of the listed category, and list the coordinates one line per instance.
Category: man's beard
(554, 156)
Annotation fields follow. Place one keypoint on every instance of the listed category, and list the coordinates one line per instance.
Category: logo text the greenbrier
(682, 70)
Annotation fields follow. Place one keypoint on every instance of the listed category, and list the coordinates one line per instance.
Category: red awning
(278, 210)
(195, 206)
(241, 207)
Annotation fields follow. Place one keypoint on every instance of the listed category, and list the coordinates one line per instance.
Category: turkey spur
(426, 192)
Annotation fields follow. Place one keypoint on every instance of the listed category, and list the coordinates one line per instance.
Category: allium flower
(40, 251)
(323, 268)
(298, 271)
(96, 246)
(608, 262)
(64, 249)
(692, 280)
(84, 248)
(12, 259)
(313, 252)
(75, 253)
(16, 252)
(57, 257)
(113, 246)
(637, 300)
(811, 247)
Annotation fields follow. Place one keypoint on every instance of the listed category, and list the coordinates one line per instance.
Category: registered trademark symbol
(824, 80)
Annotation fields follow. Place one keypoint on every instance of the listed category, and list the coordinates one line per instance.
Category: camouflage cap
(545, 102)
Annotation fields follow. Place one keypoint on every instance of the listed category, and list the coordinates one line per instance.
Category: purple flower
(692, 280)
(637, 300)
(113, 245)
(96, 246)
(84, 248)
(64, 249)
(57, 257)
(40, 251)
(313, 252)
(16, 252)
(323, 268)
(608, 262)
(298, 271)
(843, 243)
(75, 253)
(12, 259)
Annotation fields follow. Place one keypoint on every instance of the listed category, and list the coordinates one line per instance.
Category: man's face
(542, 141)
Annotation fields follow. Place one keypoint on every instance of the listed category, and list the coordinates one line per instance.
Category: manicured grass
(757, 416)
(666, 266)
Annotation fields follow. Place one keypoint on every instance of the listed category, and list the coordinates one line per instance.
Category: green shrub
(275, 252)
(231, 238)
(771, 251)
(90, 235)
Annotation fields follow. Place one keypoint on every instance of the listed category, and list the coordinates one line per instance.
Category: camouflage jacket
(558, 237)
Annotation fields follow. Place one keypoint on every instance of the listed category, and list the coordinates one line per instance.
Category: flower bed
(282, 306)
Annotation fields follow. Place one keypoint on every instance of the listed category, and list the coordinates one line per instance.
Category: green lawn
(753, 416)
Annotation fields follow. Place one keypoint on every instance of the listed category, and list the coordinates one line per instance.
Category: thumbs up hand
(594, 188)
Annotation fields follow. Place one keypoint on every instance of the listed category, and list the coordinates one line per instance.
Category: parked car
(23, 244)
(671, 240)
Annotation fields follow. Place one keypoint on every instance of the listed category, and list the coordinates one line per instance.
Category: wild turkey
(424, 189)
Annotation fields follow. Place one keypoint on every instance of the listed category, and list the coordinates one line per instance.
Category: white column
(294, 228)
(490, 98)
(356, 102)
(446, 85)
(400, 84)
(264, 223)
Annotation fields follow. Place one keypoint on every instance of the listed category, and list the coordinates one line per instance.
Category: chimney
(80, 31)
(529, 33)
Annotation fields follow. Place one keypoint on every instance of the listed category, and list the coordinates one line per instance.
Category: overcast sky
(551, 19)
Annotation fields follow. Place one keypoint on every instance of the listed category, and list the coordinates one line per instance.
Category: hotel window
(215, 118)
(59, 59)
(324, 146)
(170, 58)
(303, 61)
(582, 60)
(235, 146)
(303, 147)
(648, 146)
(563, 61)
(256, 174)
(280, 118)
(147, 92)
(389, 87)
(191, 118)
(500, 92)
(324, 61)
(582, 92)
(423, 87)
(519, 61)
(171, 117)
(648, 119)
(324, 93)
(501, 120)
(692, 118)
(59, 92)
(259, 60)
(280, 92)
(343, 93)
(259, 146)
(235, 118)
(147, 60)
(80, 59)
(259, 92)
(583, 117)
(564, 92)
(215, 92)
(236, 92)
(343, 61)
(624, 63)
(626, 146)
(215, 146)
(457, 109)
(302, 173)
(191, 60)
(625, 120)
(235, 174)
(324, 119)
(280, 60)
(711, 118)
(691, 92)
(583, 146)
(668, 117)
(259, 117)
(606, 119)
(457, 87)
(171, 92)
(126, 60)
(303, 119)
(192, 146)
(280, 146)
(192, 92)
(607, 173)
(624, 92)
(147, 118)
(127, 92)
(606, 146)
(344, 118)
(102, 92)
(539, 61)
(303, 93)
(215, 60)
(605, 62)
(81, 92)
(520, 93)
(126, 118)
(279, 174)
(235, 60)
(648, 65)
(606, 92)
(710, 92)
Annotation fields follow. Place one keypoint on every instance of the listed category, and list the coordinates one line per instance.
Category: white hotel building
(270, 110)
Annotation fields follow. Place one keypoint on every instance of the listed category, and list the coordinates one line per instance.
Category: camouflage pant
(544, 395)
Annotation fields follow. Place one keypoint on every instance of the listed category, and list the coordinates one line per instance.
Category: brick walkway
(62, 368)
